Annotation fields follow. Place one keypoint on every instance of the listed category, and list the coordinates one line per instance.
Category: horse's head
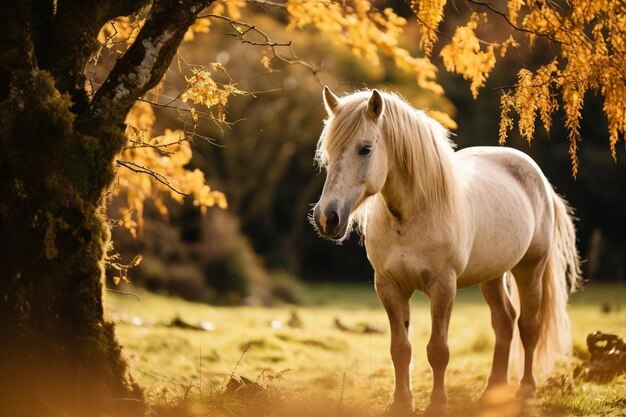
(352, 150)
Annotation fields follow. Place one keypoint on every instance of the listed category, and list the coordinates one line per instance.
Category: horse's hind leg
(502, 321)
(528, 276)
(396, 304)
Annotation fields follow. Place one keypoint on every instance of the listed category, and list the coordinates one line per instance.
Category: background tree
(265, 167)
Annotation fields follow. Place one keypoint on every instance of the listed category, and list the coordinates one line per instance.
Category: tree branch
(510, 23)
(242, 31)
(146, 61)
(67, 44)
(16, 46)
(140, 169)
(241, 34)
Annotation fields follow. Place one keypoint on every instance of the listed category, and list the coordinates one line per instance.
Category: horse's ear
(375, 105)
(330, 100)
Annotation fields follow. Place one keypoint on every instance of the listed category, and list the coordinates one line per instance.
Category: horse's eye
(365, 150)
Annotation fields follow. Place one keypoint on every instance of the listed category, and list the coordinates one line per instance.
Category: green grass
(326, 371)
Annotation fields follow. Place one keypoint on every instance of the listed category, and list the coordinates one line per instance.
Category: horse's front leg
(396, 303)
(441, 293)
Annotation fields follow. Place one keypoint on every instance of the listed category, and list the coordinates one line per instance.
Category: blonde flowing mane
(420, 146)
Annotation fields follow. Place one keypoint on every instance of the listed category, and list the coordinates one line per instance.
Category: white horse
(435, 220)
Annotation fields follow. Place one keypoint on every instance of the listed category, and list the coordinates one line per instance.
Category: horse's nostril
(332, 219)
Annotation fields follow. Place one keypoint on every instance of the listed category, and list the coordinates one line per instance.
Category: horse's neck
(396, 194)
(404, 199)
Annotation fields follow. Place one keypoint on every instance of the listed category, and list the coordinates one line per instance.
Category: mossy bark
(58, 351)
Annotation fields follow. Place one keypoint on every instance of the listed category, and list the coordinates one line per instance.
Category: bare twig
(243, 29)
(512, 24)
(124, 293)
(242, 33)
(144, 170)
(159, 148)
(267, 3)
(232, 374)
(343, 386)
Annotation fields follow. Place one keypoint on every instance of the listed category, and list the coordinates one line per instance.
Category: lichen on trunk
(58, 352)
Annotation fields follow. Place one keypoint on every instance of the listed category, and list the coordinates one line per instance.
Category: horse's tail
(565, 255)
(561, 277)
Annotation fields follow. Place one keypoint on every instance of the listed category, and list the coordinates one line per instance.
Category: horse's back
(511, 209)
(507, 167)
(516, 164)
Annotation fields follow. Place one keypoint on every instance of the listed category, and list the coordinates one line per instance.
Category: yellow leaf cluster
(587, 41)
(201, 25)
(464, 55)
(592, 51)
(513, 8)
(266, 62)
(230, 8)
(443, 118)
(429, 14)
(161, 164)
(368, 32)
(506, 122)
(202, 89)
(533, 95)
(113, 261)
(122, 30)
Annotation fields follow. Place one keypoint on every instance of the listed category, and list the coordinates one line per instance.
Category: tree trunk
(58, 352)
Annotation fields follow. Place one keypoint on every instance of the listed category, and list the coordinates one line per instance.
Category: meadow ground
(321, 370)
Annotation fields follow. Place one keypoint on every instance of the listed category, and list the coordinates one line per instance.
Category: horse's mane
(420, 146)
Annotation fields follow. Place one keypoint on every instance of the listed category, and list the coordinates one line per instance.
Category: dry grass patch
(320, 371)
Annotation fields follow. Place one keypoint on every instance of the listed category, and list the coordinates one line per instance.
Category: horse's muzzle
(329, 220)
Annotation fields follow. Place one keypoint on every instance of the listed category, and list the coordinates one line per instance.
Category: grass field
(320, 370)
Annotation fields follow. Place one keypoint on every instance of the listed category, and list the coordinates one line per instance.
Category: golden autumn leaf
(368, 32)
(465, 56)
(587, 43)
(164, 158)
(136, 261)
(202, 89)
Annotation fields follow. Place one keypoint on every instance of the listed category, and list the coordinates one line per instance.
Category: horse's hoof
(497, 393)
(526, 392)
(400, 409)
(435, 410)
